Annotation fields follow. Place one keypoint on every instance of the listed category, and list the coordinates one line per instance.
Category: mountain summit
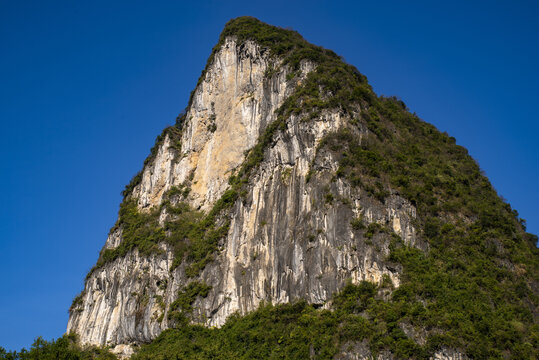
(293, 213)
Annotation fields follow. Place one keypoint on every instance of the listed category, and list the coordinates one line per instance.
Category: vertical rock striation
(288, 180)
(286, 239)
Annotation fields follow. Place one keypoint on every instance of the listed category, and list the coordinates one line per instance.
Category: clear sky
(86, 86)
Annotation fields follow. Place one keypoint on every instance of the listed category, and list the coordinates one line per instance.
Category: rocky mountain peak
(286, 179)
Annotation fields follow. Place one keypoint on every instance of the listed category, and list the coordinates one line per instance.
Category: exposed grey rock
(285, 242)
(449, 354)
(354, 351)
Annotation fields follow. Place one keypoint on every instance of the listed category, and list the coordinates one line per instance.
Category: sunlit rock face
(287, 240)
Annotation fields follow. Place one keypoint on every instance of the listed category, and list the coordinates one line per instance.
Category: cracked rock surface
(286, 240)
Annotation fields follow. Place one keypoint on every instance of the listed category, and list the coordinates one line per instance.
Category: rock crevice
(290, 234)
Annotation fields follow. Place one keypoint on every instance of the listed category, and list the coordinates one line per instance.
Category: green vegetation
(328, 197)
(77, 301)
(200, 239)
(285, 175)
(297, 331)
(466, 278)
(212, 127)
(64, 348)
(286, 44)
(193, 235)
(182, 307)
(475, 280)
(174, 134)
(471, 290)
(140, 230)
(357, 224)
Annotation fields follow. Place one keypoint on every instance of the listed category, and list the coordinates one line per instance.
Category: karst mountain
(290, 212)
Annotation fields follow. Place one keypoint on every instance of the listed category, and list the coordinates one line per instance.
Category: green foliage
(286, 44)
(465, 280)
(292, 49)
(472, 289)
(183, 305)
(77, 301)
(354, 299)
(472, 234)
(357, 224)
(291, 331)
(188, 231)
(372, 229)
(64, 348)
(285, 175)
(200, 239)
(472, 294)
(294, 331)
(277, 41)
(174, 134)
(212, 127)
(132, 183)
(328, 197)
(140, 230)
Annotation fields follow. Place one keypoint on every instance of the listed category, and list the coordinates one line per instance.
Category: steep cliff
(285, 179)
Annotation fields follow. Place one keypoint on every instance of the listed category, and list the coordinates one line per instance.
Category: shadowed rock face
(287, 238)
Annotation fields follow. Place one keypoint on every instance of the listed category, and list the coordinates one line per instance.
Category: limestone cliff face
(290, 234)
(229, 110)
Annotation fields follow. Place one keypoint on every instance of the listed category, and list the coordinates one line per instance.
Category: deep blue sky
(86, 86)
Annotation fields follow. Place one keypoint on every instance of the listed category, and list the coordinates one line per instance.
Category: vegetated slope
(63, 348)
(474, 286)
(467, 286)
